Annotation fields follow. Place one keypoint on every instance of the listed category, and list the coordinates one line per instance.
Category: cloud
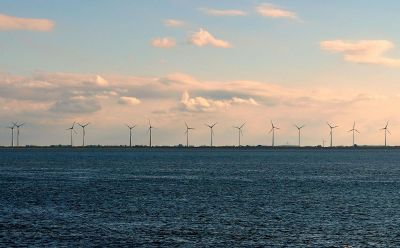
(129, 100)
(164, 42)
(239, 100)
(223, 12)
(202, 104)
(17, 23)
(56, 99)
(270, 10)
(101, 81)
(363, 51)
(174, 23)
(78, 104)
(204, 38)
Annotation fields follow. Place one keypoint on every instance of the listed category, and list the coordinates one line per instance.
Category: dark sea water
(200, 197)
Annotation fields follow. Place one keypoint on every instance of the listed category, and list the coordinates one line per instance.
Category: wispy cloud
(203, 38)
(223, 12)
(270, 10)
(30, 24)
(363, 51)
(165, 42)
(174, 23)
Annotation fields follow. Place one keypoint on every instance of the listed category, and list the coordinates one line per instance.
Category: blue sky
(284, 57)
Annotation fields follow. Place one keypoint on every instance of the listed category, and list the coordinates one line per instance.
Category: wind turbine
(273, 127)
(71, 129)
(240, 131)
(12, 134)
(149, 131)
(130, 133)
(354, 130)
(211, 131)
(331, 132)
(83, 132)
(299, 129)
(187, 133)
(18, 126)
(386, 130)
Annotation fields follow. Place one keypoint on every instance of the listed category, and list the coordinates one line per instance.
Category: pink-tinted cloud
(223, 12)
(204, 38)
(270, 10)
(62, 98)
(30, 24)
(174, 23)
(166, 42)
(363, 51)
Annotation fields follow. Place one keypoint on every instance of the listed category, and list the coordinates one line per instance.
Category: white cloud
(202, 104)
(270, 10)
(17, 23)
(363, 51)
(164, 42)
(129, 100)
(204, 38)
(101, 81)
(223, 12)
(239, 100)
(174, 23)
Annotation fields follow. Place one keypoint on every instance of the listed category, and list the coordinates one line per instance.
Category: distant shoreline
(203, 147)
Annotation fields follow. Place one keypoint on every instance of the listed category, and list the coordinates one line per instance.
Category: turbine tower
(83, 132)
(211, 132)
(386, 130)
(149, 132)
(273, 127)
(18, 126)
(240, 131)
(130, 133)
(71, 129)
(354, 130)
(299, 129)
(331, 132)
(12, 134)
(187, 133)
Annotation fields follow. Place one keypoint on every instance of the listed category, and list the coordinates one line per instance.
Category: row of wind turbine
(211, 126)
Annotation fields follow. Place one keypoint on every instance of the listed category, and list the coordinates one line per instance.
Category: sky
(113, 63)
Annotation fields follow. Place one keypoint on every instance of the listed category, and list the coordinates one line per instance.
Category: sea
(199, 197)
